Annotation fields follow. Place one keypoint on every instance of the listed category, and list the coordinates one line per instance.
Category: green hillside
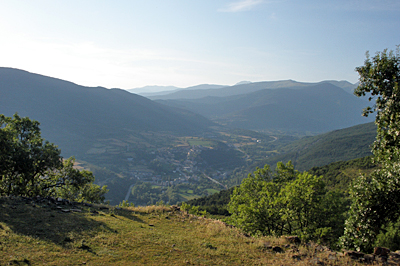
(338, 145)
(38, 232)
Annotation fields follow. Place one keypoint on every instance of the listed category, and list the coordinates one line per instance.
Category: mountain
(179, 90)
(345, 85)
(338, 145)
(243, 87)
(243, 82)
(72, 116)
(153, 89)
(194, 93)
(303, 108)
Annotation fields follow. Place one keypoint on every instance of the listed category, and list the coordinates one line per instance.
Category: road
(129, 192)
(215, 181)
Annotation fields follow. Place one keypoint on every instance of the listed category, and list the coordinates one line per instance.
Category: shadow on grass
(47, 222)
(128, 214)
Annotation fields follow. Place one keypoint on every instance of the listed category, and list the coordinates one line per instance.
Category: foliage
(381, 77)
(337, 177)
(31, 166)
(376, 197)
(73, 184)
(214, 204)
(374, 204)
(390, 236)
(192, 209)
(125, 204)
(25, 157)
(287, 202)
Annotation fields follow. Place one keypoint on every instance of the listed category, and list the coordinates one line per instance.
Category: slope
(72, 115)
(339, 145)
(37, 232)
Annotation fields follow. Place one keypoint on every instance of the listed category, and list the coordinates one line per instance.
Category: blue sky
(132, 43)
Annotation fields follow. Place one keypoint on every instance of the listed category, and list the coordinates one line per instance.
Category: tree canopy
(380, 77)
(31, 166)
(287, 202)
(376, 197)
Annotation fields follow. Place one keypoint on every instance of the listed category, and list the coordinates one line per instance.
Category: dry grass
(41, 234)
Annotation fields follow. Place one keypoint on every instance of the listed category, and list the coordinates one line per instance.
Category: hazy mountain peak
(152, 89)
(243, 82)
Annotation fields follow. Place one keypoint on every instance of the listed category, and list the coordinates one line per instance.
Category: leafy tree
(25, 156)
(31, 166)
(301, 199)
(286, 202)
(375, 198)
(380, 76)
(73, 184)
(253, 204)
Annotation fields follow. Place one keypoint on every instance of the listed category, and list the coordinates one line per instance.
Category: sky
(133, 43)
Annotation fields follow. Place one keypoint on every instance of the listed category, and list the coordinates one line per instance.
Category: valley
(173, 170)
(193, 142)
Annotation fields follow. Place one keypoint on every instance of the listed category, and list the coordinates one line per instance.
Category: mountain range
(72, 115)
(287, 106)
(117, 133)
(240, 88)
(149, 91)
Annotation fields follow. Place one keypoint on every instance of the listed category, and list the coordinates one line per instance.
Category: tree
(381, 77)
(31, 166)
(73, 184)
(301, 204)
(286, 202)
(25, 156)
(253, 203)
(376, 198)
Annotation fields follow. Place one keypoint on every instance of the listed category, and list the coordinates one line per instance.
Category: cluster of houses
(185, 170)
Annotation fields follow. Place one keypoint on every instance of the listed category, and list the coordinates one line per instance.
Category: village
(183, 171)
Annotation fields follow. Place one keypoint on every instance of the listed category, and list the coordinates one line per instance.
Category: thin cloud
(243, 5)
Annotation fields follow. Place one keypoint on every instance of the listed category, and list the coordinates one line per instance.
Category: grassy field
(198, 141)
(43, 233)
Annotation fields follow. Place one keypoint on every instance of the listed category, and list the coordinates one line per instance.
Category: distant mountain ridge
(315, 108)
(150, 91)
(244, 87)
(153, 89)
(70, 113)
